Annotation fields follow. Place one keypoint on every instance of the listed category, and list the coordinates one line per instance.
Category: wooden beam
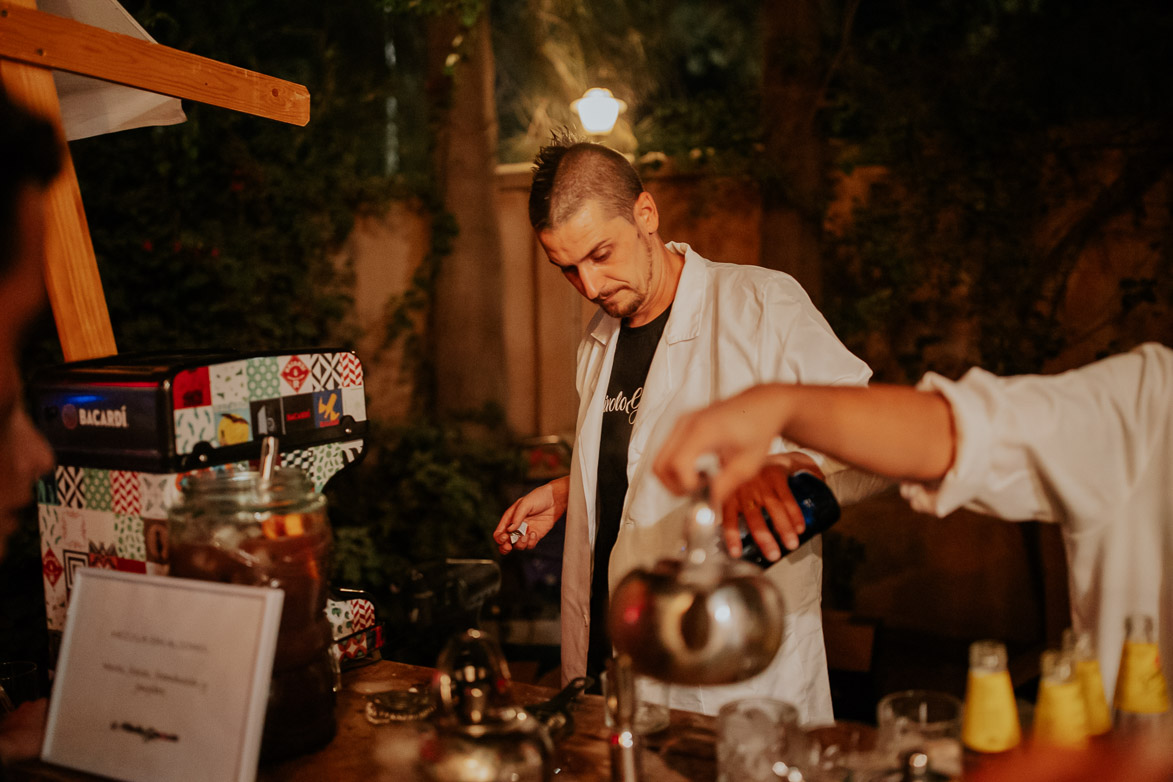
(71, 270)
(49, 41)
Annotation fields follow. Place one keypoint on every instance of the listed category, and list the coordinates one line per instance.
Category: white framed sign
(162, 678)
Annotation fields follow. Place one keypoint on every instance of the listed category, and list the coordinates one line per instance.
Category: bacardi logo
(108, 418)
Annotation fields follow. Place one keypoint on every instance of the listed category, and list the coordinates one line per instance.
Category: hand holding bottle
(765, 509)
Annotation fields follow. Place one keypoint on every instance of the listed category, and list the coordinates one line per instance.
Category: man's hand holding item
(768, 490)
(539, 511)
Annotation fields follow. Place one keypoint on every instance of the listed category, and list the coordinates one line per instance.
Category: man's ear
(647, 216)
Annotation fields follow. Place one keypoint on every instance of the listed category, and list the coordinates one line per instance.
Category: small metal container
(481, 734)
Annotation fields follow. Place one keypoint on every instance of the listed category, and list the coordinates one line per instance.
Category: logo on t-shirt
(623, 404)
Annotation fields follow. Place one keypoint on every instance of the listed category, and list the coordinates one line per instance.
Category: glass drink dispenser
(243, 528)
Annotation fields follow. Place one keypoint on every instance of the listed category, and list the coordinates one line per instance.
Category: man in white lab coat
(674, 331)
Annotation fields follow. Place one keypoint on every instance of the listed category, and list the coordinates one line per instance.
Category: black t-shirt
(633, 357)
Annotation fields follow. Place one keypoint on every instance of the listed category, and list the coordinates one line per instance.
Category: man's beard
(623, 306)
(632, 299)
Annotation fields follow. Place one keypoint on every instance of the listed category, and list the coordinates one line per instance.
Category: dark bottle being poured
(818, 505)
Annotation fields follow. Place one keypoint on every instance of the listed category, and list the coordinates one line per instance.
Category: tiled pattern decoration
(106, 532)
(117, 519)
(357, 631)
(245, 400)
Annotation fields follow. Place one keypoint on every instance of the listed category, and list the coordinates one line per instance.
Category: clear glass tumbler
(844, 752)
(651, 704)
(921, 720)
(18, 683)
(759, 740)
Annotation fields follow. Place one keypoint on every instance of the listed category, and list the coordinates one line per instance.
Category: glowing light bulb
(598, 110)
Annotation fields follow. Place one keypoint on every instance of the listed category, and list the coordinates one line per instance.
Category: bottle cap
(987, 656)
(1079, 644)
(1057, 666)
(1139, 627)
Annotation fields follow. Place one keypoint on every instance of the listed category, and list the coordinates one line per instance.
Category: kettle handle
(703, 552)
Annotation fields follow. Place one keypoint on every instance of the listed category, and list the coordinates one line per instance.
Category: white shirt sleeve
(1040, 447)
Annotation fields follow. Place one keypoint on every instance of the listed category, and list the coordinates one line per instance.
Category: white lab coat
(1091, 449)
(731, 327)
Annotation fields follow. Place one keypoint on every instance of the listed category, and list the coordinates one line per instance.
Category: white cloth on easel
(91, 107)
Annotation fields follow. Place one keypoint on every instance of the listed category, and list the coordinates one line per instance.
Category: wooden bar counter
(684, 751)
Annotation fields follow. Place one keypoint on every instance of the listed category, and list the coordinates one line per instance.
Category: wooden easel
(32, 44)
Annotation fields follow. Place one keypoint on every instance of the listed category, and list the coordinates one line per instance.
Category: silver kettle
(705, 619)
(481, 734)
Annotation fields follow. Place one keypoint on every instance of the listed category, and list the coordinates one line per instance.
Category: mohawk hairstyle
(569, 172)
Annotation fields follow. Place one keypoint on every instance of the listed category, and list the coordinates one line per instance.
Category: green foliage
(219, 231)
(466, 11)
(427, 490)
(986, 117)
(687, 70)
(222, 232)
(706, 129)
(989, 120)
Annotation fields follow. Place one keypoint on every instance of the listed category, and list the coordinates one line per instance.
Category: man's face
(607, 259)
(24, 454)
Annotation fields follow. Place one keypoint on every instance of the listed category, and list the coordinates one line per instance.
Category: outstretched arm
(894, 431)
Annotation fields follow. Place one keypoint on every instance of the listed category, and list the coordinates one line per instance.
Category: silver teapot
(705, 619)
(481, 734)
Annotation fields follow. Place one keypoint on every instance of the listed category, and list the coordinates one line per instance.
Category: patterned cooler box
(127, 429)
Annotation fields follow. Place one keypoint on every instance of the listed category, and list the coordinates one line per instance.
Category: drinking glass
(18, 683)
(758, 740)
(922, 720)
(844, 751)
(651, 704)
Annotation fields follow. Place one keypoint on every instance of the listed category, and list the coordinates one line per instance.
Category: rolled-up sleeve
(1051, 447)
(988, 474)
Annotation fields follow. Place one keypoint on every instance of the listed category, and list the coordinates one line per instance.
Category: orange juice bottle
(1142, 698)
(990, 719)
(1091, 681)
(1060, 716)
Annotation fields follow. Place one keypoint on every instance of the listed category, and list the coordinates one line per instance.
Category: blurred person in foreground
(30, 160)
(673, 331)
(1090, 449)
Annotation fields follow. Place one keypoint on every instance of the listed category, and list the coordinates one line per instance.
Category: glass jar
(239, 528)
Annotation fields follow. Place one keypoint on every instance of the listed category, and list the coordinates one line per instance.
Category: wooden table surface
(378, 753)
